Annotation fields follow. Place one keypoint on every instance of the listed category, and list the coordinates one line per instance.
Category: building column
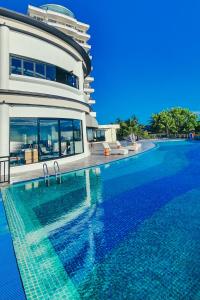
(4, 57)
(85, 141)
(81, 76)
(4, 130)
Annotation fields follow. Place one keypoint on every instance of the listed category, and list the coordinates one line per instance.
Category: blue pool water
(126, 230)
(10, 282)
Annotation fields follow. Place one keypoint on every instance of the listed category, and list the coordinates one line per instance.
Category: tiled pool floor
(127, 230)
(10, 282)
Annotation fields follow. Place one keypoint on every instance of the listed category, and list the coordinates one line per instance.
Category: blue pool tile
(10, 281)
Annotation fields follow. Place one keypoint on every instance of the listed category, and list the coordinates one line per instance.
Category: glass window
(61, 75)
(66, 137)
(100, 135)
(78, 143)
(28, 68)
(40, 70)
(48, 139)
(16, 65)
(50, 72)
(23, 142)
(90, 135)
(72, 80)
(33, 140)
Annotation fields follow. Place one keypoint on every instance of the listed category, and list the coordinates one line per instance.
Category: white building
(63, 19)
(44, 111)
(110, 132)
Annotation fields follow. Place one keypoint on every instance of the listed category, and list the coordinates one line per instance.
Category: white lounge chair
(116, 148)
(99, 148)
(134, 147)
(117, 145)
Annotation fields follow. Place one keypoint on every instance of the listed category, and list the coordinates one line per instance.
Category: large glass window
(90, 134)
(66, 137)
(48, 139)
(33, 140)
(95, 135)
(16, 66)
(61, 75)
(40, 70)
(28, 68)
(100, 135)
(51, 72)
(72, 80)
(78, 136)
(33, 68)
(23, 141)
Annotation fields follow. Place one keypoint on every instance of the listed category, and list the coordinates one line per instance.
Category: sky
(146, 54)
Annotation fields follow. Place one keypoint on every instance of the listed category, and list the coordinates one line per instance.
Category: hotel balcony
(82, 35)
(91, 101)
(93, 114)
(89, 79)
(83, 26)
(89, 90)
(86, 47)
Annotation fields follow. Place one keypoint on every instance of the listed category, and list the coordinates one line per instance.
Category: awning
(91, 122)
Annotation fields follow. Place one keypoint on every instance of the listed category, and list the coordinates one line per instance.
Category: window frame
(57, 69)
(37, 120)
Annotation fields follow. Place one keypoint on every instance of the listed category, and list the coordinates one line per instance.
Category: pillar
(4, 130)
(4, 57)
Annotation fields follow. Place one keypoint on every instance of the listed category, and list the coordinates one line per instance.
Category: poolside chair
(99, 148)
(116, 148)
(134, 147)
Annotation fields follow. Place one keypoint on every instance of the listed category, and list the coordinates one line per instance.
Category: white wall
(23, 45)
(110, 135)
(4, 57)
(32, 47)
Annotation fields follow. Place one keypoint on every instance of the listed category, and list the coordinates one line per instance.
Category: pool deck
(90, 161)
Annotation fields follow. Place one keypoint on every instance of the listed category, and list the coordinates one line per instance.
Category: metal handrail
(46, 174)
(57, 172)
(4, 169)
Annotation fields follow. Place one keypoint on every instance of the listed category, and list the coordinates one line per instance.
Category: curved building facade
(43, 107)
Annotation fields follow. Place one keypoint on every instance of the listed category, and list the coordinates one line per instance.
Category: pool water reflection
(129, 230)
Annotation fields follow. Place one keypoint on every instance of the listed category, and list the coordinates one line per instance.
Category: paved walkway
(92, 160)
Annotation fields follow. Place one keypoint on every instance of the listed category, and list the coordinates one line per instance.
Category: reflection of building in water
(71, 217)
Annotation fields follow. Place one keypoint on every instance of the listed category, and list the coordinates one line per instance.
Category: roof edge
(43, 26)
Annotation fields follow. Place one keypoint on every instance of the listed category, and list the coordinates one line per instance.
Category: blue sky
(146, 54)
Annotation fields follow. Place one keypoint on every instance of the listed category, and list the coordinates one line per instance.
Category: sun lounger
(134, 147)
(99, 148)
(116, 148)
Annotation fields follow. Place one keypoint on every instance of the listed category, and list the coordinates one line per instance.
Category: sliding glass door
(78, 143)
(48, 139)
(23, 141)
(33, 140)
(66, 137)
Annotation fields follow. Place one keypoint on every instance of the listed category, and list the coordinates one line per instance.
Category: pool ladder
(57, 173)
(46, 174)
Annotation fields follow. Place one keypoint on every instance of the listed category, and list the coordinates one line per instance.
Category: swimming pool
(125, 230)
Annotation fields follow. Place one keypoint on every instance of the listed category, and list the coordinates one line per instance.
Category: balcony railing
(4, 169)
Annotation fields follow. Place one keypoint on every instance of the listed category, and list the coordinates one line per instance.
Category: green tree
(174, 121)
(163, 123)
(130, 128)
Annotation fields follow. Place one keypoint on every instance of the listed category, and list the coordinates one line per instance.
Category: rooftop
(59, 9)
